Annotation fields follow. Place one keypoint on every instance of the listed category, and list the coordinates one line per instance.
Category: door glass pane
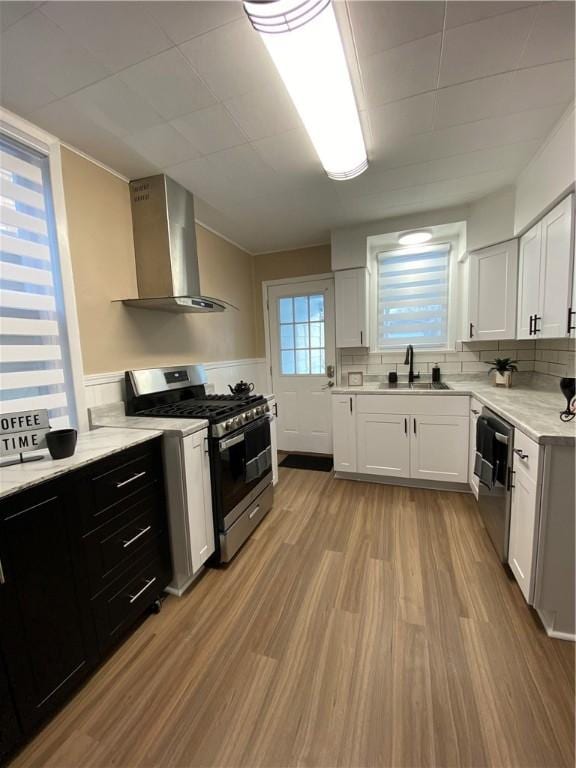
(317, 307)
(301, 309)
(302, 361)
(285, 309)
(287, 361)
(301, 335)
(287, 336)
(317, 361)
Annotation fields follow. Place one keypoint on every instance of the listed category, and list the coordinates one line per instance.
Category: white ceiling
(455, 98)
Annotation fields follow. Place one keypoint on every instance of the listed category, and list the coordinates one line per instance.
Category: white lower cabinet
(383, 444)
(274, 439)
(344, 432)
(199, 498)
(404, 436)
(439, 448)
(475, 411)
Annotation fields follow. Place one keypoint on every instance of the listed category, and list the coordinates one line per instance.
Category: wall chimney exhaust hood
(165, 248)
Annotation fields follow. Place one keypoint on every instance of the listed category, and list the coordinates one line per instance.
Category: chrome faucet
(409, 360)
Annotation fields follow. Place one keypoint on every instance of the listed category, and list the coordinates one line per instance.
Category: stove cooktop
(213, 408)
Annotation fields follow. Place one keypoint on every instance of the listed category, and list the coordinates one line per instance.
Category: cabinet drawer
(109, 548)
(526, 455)
(115, 480)
(439, 405)
(117, 608)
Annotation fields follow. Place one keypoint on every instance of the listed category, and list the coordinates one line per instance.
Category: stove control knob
(229, 424)
(236, 421)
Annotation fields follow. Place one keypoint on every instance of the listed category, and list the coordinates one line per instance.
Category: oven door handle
(229, 443)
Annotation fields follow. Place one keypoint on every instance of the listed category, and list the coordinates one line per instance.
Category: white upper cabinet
(352, 303)
(529, 280)
(546, 271)
(492, 298)
(556, 271)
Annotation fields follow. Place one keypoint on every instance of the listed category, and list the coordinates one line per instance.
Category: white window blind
(34, 360)
(413, 291)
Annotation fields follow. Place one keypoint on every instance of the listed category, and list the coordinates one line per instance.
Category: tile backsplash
(554, 356)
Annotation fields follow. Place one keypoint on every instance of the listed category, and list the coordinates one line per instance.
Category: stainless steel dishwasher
(494, 503)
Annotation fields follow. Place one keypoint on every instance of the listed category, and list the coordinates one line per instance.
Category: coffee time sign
(23, 431)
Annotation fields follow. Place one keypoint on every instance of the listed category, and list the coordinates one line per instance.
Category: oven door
(242, 461)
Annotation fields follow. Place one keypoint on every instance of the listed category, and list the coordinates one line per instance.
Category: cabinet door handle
(536, 329)
(141, 591)
(2, 577)
(510, 484)
(521, 456)
(531, 331)
(138, 535)
(405, 426)
(276, 410)
(350, 405)
(361, 338)
(471, 330)
(414, 424)
(137, 476)
(571, 327)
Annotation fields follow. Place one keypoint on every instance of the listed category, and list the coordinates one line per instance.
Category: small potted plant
(503, 367)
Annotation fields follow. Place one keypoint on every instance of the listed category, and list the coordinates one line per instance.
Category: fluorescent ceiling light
(304, 42)
(416, 237)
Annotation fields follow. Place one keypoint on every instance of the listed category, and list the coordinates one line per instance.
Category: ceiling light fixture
(303, 39)
(416, 237)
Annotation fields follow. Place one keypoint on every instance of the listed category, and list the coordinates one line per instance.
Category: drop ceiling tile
(510, 158)
(403, 71)
(540, 86)
(115, 107)
(117, 33)
(493, 132)
(184, 20)
(264, 112)
(459, 12)
(231, 59)
(38, 48)
(474, 100)
(21, 91)
(485, 47)
(291, 154)
(162, 145)
(407, 150)
(402, 118)
(373, 207)
(10, 13)
(552, 38)
(456, 191)
(210, 130)
(380, 181)
(378, 26)
(168, 82)
(62, 119)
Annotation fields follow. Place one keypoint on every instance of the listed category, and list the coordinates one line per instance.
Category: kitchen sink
(414, 385)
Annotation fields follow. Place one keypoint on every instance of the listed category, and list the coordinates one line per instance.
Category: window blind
(413, 296)
(34, 361)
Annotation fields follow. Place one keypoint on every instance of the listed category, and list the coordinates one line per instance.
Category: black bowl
(61, 443)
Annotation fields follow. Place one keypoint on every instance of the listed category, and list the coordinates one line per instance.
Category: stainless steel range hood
(165, 248)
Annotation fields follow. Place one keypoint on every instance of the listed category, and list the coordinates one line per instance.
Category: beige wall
(276, 266)
(115, 337)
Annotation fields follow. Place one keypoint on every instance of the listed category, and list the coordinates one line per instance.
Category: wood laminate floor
(362, 625)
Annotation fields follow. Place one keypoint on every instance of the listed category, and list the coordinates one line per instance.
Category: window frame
(28, 134)
(453, 307)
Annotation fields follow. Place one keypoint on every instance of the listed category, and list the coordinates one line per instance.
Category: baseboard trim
(546, 618)
(405, 482)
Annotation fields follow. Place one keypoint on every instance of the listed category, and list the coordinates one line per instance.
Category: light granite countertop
(113, 415)
(530, 405)
(91, 446)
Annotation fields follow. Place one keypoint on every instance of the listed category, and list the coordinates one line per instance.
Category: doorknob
(329, 385)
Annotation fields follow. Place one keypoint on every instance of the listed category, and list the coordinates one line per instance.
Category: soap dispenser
(436, 373)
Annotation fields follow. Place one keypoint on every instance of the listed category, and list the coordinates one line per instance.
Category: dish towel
(484, 464)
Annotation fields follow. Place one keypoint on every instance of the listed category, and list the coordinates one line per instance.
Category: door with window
(303, 358)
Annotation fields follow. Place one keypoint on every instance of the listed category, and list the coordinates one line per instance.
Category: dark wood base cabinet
(82, 557)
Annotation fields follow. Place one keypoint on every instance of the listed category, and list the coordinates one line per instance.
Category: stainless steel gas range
(239, 444)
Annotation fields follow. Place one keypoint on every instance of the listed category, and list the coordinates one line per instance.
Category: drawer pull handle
(2, 577)
(135, 538)
(137, 476)
(254, 512)
(522, 456)
(141, 591)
